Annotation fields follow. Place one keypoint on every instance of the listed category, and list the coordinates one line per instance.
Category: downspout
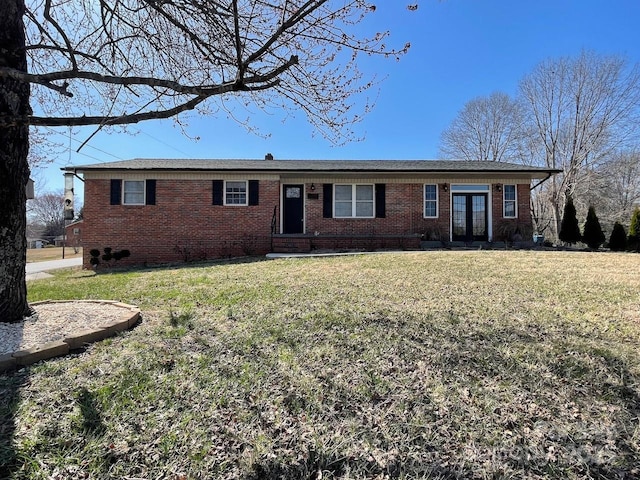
(541, 181)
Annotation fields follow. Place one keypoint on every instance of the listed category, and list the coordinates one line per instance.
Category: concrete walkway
(38, 270)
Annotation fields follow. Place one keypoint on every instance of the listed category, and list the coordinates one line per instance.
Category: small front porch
(305, 243)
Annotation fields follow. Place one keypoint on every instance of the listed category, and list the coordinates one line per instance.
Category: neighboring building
(58, 241)
(73, 233)
(36, 243)
(180, 210)
(35, 234)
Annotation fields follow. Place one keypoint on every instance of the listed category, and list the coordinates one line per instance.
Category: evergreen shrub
(593, 235)
(569, 228)
(618, 238)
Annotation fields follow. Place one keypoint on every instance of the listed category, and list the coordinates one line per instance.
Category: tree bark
(14, 169)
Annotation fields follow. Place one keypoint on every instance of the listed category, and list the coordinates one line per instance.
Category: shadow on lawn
(10, 384)
(91, 419)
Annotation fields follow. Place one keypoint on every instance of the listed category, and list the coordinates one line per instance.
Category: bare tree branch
(486, 129)
(581, 110)
(115, 120)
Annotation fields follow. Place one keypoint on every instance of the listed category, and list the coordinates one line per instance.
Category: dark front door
(293, 208)
(470, 217)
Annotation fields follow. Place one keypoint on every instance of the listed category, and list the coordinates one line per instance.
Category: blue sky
(461, 49)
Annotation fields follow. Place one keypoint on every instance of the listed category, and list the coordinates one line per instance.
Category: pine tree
(618, 239)
(569, 228)
(593, 235)
(634, 231)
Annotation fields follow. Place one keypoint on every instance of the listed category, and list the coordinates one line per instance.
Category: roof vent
(268, 156)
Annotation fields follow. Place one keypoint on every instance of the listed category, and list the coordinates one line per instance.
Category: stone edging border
(22, 358)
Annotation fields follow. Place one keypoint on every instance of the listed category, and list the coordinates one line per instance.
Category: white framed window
(430, 201)
(235, 192)
(509, 201)
(133, 192)
(354, 201)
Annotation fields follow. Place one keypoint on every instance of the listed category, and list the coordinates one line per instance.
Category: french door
(469, 217)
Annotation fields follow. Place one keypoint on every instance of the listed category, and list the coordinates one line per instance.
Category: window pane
(430, 209)
(459, 215)
(343, 209)
(236, 186)
(430, 192)
(293, 192)
(364, 192)
(479, 215)
(364, 209)
(343, 192)
(134, 192)
(510, 209)
(236, 193)
(469, 188)
(509, 192)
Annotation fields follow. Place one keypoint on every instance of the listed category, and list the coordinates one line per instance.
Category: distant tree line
(579, 115)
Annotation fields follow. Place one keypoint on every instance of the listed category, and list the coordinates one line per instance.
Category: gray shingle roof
(391, 166)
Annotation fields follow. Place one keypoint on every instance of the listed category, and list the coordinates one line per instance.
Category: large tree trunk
(14, 169)
(557, 207)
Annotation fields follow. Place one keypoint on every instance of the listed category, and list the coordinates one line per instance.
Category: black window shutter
(327, 200)
(218, 187)
(380, 200)
(151, 193)
(254, 192)
(116, 191)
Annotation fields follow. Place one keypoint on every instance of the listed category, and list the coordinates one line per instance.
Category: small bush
(109, 254)
(510, 231)
(118, 255)
(593, 235)
(618, 238)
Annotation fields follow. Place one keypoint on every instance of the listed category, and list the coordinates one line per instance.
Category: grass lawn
(51, 253)
(474, 364)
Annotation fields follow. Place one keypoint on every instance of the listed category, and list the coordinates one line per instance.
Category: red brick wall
(183, 225)
(503, 227)
(404, 215)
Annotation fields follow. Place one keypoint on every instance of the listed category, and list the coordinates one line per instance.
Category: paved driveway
(37, 270)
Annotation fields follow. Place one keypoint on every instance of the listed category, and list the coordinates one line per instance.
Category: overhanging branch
(47, 80)
(100, 120)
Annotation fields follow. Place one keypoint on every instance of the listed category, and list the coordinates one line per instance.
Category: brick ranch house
(165, 210)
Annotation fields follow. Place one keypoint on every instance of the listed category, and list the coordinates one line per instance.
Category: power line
(164, 143)
(90, 146)
(116, 156)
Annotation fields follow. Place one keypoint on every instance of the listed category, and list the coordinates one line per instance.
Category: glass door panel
(469, 217)
(459, 216)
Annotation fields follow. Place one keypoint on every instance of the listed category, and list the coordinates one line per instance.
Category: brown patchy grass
(418, 365)
(51, 253)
